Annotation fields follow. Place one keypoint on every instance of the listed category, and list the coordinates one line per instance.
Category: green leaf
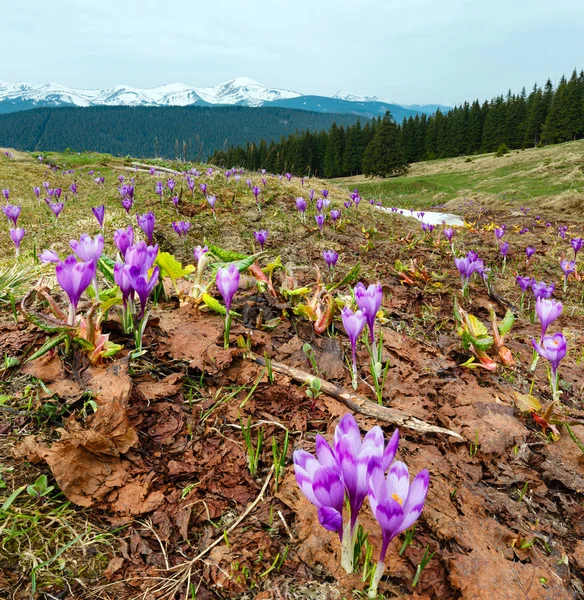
(171, 267)
(297, 291)
(350, 277)
(48, 345)
(242, 265)
(111, 349)
(506, 324)
(271, 267)
(216, 306)
(106, 266)
(114, 301)
(13, 497)
(225, 255)
(483, 343)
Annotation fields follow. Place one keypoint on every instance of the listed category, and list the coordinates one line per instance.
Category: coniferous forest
(181, 132)
(545, 115)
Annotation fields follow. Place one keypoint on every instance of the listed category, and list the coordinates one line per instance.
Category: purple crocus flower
(529, 251)
(320, 221)
(203, 187)
(121, 179)
(56, 207)
(301, 205)
(12, 212)
(175, 200)
(504, 249)
(256, 192)
(552, 348)
(524, 282)
(547, 311)
(141, 256)
(325, 193)
(395, 504)
(16, 235)
(74, 277)
(353, 322)
(541, 289)
(49, 256)
(347, 204)
(99, 214)
(146, 223)
(87, 248)
(568, 267)
(369, 301)
(288, 176)
(323, 486)
(191, 184)
(181, 227)
(73, 188)
(6, 193)
(170, 184)
(499, 232)
(261, 236)
(264, 181)
(576, 244)
(227, 283)
(142, 284)
(311, 195)
(159, 189)
(199, 251)
(562, 231)
(466, 267)
(123, 281)
(448, 233)
(127, 204)
(319, 205)
(46, 185)
(330, 258)
(335, 215)
(249, 182)
(123, 239)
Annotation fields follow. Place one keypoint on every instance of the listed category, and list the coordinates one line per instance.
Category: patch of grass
(47, 544)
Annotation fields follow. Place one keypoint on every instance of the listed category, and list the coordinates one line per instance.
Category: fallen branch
(165, 169)
(359, 404)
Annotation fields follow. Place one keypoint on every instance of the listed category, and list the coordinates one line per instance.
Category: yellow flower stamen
(397, 499)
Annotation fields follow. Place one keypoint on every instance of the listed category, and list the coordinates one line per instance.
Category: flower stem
(226, 332)
(379, 569)
(348, 546)
(71, 315)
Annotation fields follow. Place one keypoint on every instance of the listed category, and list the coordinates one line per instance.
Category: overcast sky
(407, 51)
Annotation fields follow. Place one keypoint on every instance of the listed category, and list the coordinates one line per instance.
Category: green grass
(535, 174)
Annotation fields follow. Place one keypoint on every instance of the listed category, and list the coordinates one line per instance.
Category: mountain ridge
(240, 91)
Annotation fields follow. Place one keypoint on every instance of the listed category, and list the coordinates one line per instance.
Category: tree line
(546, 115)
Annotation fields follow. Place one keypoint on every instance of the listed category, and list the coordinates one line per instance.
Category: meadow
(191, 357)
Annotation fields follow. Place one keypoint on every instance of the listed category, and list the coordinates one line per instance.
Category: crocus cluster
(181, 227)
(352, 469)
(135, 274)
(468, 265)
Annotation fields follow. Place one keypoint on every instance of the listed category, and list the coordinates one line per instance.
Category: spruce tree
(384, 155)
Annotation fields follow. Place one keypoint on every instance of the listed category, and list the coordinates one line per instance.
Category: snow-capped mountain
(343, 95)
(239, 91)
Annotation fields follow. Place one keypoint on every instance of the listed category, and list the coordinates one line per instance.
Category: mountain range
(241, 91)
